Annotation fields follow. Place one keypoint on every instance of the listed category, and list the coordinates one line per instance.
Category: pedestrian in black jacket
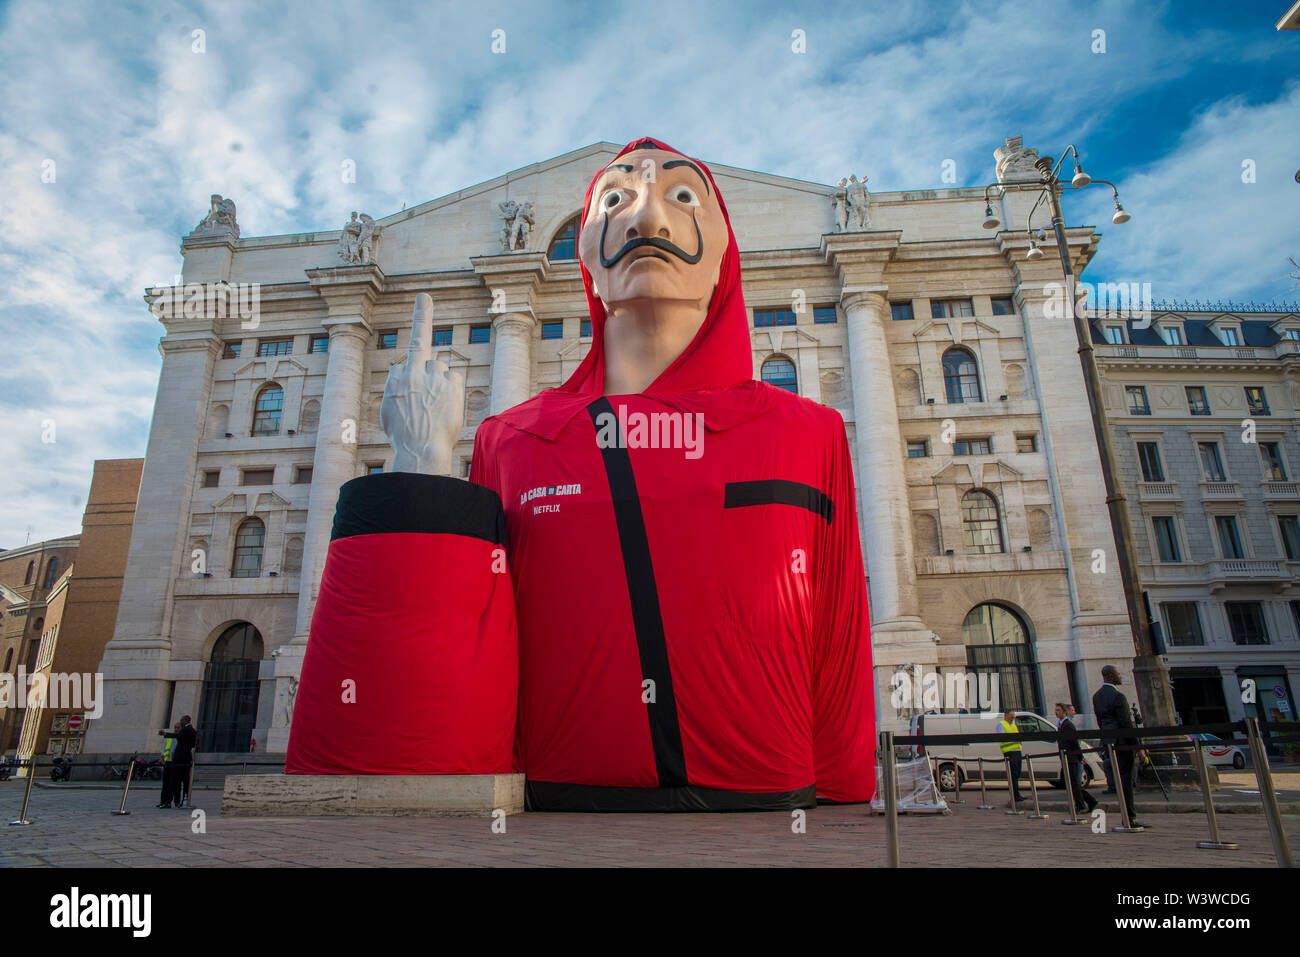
(1111, 708)
(1069, 746)
(182, 758)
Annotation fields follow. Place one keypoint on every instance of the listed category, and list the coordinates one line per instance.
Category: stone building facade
(1203, 407)
(979, 488)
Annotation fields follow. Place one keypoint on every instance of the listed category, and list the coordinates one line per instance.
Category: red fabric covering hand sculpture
(689, 604)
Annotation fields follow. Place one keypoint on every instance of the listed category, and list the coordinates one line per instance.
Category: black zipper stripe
(647, 619)
(779, 492)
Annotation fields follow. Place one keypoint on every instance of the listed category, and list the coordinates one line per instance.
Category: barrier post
(27, 795)
(956, 781)
(126, 788)
(189, 787)
(1264, 777)
(984, 804)
(1011, 791)
(891, 797)
(1125, 820)
(1213, 844)
(1072, 809)
(1038, 814)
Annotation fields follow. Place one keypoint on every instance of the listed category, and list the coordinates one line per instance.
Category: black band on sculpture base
(395, 502)
(550, 796)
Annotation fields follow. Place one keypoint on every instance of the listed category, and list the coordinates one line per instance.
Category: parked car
(1219, 752)
(1047, 767)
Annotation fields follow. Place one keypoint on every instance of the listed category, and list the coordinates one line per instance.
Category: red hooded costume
(692, 626)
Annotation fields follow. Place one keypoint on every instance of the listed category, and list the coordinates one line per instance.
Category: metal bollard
(130, 770)
(888, 772)
(27, 795)
(984, 804)
(189, 787)
(1072, 811)
(956, 782)
(1264, 776)
(1011, 793)
(1213, 844)
(1125, 820)
(1038, 814)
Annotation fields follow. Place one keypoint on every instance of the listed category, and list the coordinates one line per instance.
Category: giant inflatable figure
(649, 595)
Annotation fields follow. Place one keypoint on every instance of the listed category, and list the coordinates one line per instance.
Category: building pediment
(958, 473)
(954, 330)
(999, 471)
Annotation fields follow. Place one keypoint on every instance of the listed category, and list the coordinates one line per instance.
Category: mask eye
(684, 194)
(611, 199)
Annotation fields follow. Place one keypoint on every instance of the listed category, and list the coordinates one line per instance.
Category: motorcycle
(62, 770)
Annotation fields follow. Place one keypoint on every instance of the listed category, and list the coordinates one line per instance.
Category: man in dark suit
(1111, 708)
(182, 757)
(1069, 745)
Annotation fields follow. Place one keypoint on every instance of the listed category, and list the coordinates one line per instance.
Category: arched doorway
(998, 643)
(228, 708)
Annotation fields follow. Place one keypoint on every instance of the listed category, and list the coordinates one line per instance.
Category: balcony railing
(1157, 491)
(1220, 490)
(1281, 489)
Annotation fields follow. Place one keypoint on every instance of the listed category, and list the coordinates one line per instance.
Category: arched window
(980, 524)
(565, 243)
(997, 642)
(779, 371)
(51, 573)
(267, 411)
(31, 570)
(9, 659)
(961, 377)
(248, 549)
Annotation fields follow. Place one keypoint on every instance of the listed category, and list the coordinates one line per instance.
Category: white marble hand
(424, 402)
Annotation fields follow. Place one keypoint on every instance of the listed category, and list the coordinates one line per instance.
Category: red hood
(702, 379)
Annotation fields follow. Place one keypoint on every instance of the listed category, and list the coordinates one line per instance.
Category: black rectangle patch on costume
(394, 502)
(779, 492)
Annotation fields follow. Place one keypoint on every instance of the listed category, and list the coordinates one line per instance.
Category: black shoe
(162, 805)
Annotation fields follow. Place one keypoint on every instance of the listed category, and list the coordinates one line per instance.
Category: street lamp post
(1149, 677)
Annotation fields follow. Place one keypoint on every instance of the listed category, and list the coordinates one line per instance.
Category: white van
(1047, 769)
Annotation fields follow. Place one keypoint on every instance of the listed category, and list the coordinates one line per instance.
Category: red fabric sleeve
(411, 666)
(844, 724)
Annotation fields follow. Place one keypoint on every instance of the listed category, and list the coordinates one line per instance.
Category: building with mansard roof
(979, 488)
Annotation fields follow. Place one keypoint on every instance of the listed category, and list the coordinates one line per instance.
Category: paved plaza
(74, 828)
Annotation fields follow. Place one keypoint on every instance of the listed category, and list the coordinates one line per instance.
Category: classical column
(882, 486)
(512, 360)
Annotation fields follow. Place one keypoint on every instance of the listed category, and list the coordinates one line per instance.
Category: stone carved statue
(518, 225)
(359, 239)
(840, 206)
(1015, 162)
(219, 222)
(859, 201)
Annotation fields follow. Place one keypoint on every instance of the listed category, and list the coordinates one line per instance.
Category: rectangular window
(1149, 457)
(257, 477)
(1137, 400)
(900, 310)
(1211, 462)
(374, 468)
(1291, 334)
(823, 315)
(1289, 526)
(302, 475)
(1256, 402)
(1197, 403)
(274, 347)
(553, 330)
(950, 308)
(1166, 538)
(1246, 621)
(211, 478)
(973, 447)
(1274, 467)
(1229, 536)
(773, 317)
(480, 334)
(388, 340)
(1230, 337)
(918, 450)
(1173, 336)
(584, 329)
(1114, 335)
(1184, 623)
(319, 344)
(442, 336)
(231, 350)
(1026, 443)
(1003, 306)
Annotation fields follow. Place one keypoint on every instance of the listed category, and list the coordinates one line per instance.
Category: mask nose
(647, 217)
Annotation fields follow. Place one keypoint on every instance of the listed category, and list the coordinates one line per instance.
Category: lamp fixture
(1080, 178)
(1121, 215)
(990, 221)
(1034, 253)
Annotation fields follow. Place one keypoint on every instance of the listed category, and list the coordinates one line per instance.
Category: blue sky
(141, 129)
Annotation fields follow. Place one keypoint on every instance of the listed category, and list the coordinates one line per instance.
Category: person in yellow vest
(170, 782)
(1011, 751)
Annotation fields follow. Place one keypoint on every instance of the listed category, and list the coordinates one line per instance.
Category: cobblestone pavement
(75, 829)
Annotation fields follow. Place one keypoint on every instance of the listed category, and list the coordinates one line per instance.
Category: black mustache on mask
(657, 241)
